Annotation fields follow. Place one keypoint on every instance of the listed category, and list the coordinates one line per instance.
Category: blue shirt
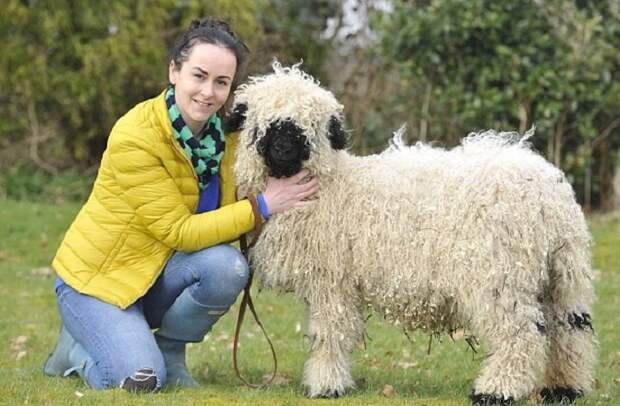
(210, 197)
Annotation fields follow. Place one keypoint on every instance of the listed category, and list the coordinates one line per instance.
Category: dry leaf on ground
(407, 365)
(18, 347)
(42, 271)
(388, 391)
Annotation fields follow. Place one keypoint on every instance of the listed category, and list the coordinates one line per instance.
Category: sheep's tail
(528, 134)
(397, 142)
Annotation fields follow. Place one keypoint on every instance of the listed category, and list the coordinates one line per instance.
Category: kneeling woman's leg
(114, 347)
(193, 292)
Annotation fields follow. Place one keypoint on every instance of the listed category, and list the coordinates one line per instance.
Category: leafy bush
(28, 183)
(488, 64)
(70, 69)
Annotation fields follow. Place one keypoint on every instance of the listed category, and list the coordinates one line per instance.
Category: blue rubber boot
(80, 362)
(185, 321)
(58, 361)
(68, 357)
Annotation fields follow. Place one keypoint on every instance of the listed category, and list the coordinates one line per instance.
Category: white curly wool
(486, 236)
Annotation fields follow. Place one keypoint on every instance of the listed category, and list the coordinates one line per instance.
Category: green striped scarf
(206, 153)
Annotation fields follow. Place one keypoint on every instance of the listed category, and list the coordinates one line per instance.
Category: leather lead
(246, 301)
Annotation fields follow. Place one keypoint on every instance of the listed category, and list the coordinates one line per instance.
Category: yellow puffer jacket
(141, 209)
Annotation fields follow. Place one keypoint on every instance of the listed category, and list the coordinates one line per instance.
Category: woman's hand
(287, 193)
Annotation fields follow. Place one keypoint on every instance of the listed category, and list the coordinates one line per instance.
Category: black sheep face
(284, 148)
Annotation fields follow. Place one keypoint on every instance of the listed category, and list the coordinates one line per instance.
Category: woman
(149, 249)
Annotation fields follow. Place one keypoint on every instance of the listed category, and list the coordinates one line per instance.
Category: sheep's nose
(283, 149)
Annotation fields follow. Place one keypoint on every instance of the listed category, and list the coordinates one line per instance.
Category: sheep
(486, 236)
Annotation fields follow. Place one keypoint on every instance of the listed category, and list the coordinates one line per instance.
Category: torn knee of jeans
(143, 380)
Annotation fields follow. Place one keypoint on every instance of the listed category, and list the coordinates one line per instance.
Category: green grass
(30, 233)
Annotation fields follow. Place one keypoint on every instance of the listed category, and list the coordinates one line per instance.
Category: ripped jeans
(120, 342)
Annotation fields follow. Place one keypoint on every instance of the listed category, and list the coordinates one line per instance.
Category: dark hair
(209, 31)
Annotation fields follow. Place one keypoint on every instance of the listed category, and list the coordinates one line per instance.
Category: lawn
(30, 233)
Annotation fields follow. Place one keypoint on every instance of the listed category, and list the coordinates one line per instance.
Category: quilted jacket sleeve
(149, 189)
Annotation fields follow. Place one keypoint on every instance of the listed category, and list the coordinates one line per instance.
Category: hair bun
(213, 23)
(193, 25)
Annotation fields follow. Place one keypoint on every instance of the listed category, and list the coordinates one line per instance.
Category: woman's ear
(234, 121)
(173, 72)
(337, 136)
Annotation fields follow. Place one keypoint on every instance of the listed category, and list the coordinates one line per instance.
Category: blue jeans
(120, 342)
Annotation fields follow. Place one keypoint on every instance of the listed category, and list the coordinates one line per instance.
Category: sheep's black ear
(337, 136)
(234, 122)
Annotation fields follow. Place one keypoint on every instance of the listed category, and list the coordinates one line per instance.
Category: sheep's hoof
(484, 399)
(560, 395)
(330, 394)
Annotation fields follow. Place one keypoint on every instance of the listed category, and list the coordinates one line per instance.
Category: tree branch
(37, 137)
(606, 132)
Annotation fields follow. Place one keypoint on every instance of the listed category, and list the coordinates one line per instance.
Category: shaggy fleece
(486, 236)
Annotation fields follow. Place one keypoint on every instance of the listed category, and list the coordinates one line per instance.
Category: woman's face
(202, 83)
